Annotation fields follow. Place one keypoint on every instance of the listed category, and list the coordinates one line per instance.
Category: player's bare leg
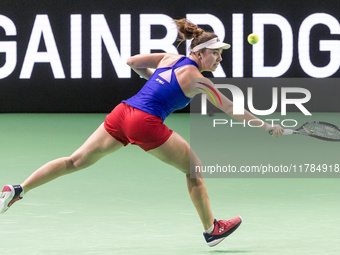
(99, 144)
(177, 152)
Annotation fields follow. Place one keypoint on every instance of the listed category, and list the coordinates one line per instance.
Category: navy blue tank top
(161, 95)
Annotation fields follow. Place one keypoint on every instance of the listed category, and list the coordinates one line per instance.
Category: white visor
(214, 43)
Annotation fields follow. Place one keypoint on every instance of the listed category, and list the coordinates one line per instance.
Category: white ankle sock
(211, 229)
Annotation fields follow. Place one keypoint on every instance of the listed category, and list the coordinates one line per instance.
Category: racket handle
(286, 132)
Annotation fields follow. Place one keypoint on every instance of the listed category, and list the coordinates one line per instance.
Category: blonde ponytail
(188, 30)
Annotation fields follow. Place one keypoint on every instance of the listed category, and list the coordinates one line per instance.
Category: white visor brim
(214, 43)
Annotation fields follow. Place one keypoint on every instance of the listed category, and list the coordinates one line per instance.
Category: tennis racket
(317, 129)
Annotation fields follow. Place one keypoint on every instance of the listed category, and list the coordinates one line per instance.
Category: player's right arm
(205, 86)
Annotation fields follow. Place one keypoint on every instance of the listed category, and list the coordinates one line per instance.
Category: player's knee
(195, 180)
(195, 172)
(77, 163)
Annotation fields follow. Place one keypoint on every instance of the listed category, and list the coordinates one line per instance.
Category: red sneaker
(221, 230)
(9, 195)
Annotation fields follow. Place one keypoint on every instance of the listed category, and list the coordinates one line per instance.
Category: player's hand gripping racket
(317, 129)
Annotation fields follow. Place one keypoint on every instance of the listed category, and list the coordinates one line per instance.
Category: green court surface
(131, 203)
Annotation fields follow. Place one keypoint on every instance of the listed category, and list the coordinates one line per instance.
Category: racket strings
(322, 130)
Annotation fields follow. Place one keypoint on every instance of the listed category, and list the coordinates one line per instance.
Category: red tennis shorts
(131, 125)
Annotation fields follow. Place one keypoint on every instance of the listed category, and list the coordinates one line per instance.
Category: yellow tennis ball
(253, 38)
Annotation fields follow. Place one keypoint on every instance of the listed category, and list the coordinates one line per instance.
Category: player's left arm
(142, 63)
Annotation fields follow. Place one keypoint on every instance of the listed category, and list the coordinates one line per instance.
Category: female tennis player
(139, 120)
